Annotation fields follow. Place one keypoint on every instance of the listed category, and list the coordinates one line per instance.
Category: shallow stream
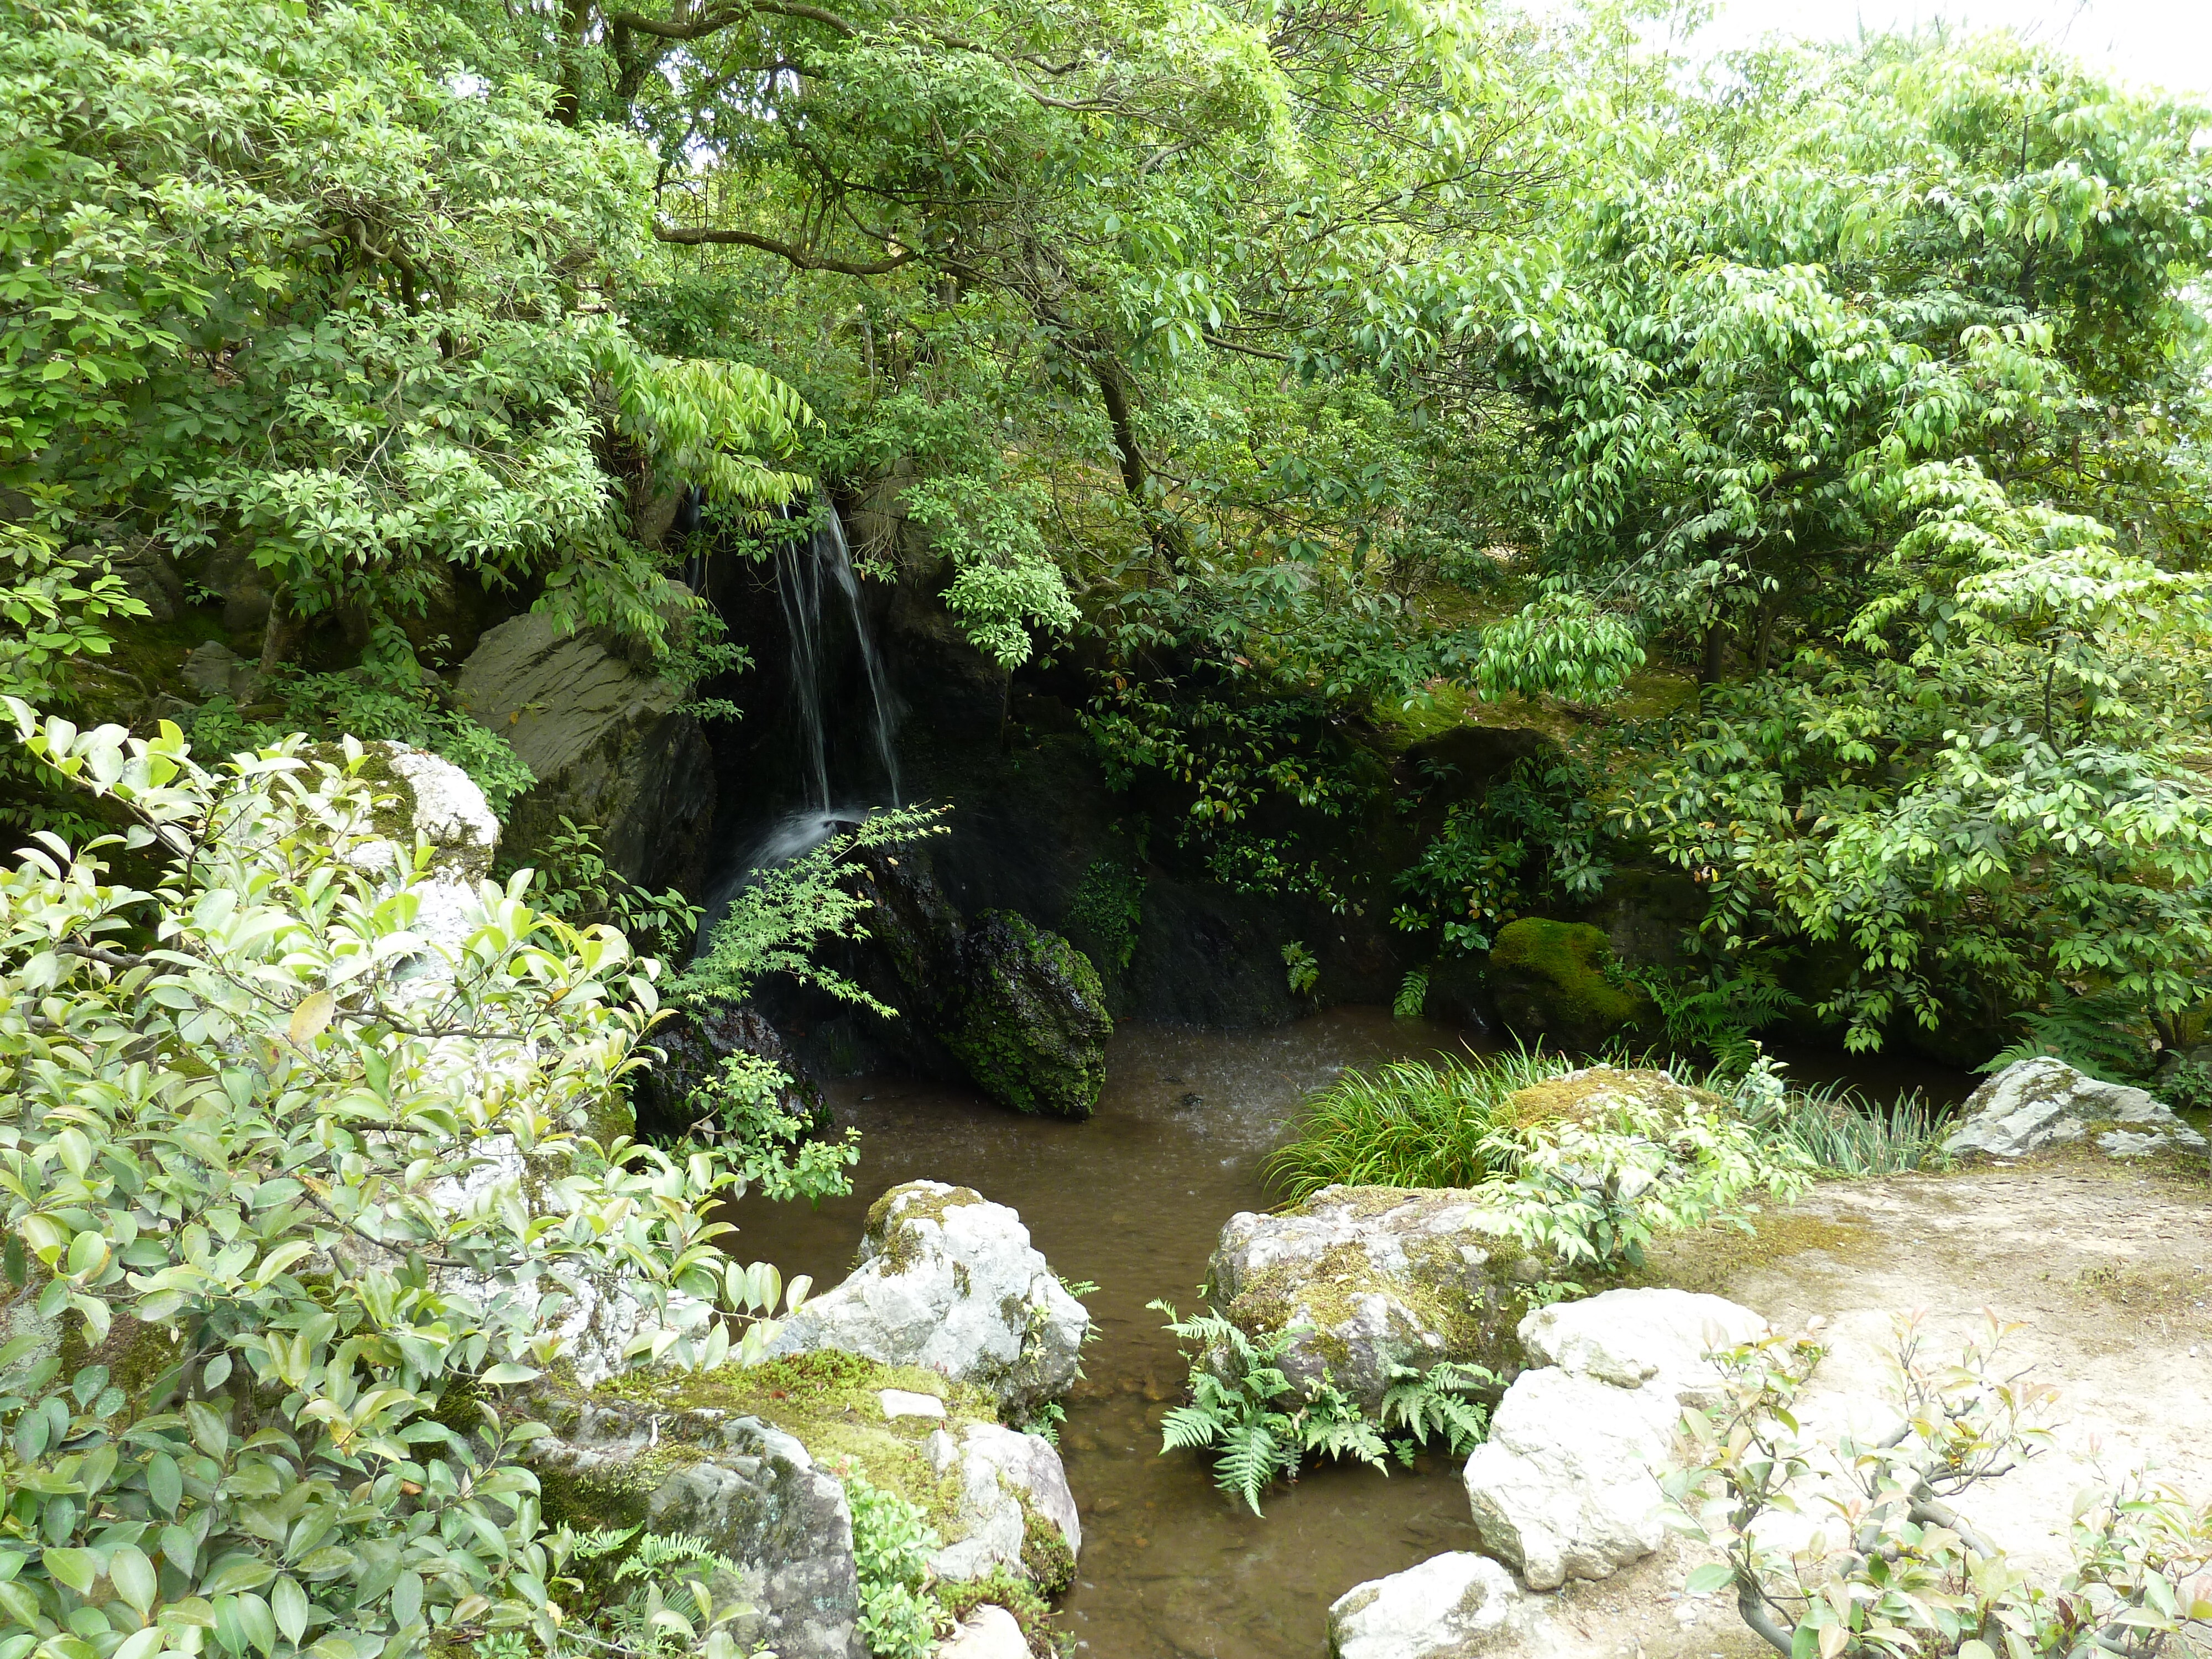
(1134, 1200)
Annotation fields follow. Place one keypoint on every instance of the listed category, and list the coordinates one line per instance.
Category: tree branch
(716, 21)
(799, 256)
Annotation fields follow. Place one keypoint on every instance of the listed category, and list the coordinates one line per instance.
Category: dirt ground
(2105, 1266)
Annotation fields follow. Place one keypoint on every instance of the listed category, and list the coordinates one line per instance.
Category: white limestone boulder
(1014, 1503)
(2042, 1102)
(1631, 1338)
(950, 1282)
(1450, 1607)
(989, 1633)
(1567, 1485)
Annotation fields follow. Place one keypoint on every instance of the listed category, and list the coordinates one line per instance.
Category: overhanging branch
(804, 258)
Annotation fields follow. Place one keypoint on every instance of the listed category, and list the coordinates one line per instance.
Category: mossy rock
(1030, 1026)
(1556, 982)
(1594, 1093)
(1379, 1277)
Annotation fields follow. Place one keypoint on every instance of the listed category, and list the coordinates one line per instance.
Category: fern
(2098, 1035)
(1412, 995)
(1261, 1427)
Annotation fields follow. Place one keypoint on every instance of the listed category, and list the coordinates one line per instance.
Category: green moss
(1046, 1557)
(1584, 1096)
(1008, 1589)
(1552, 979)
(895, 1245)
(825, 1399)
(1014, 1043)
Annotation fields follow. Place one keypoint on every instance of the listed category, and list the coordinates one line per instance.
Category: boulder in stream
(1567, 1485)
(1554, 981)
(1380, 1276)
(950, 1282)
(1014, 1512)
(2042, 1102)
(1017, 1006)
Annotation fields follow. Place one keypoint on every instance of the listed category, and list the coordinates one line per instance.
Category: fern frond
(1190, 1428)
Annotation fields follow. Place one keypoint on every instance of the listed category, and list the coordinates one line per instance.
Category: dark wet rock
(214, 669)
(694, 1042)
(1383, 1276)
(604, 738)
(752, 1491)
(1030, 1024)
(1017, 1007)
(144, 570)
(1556, 982)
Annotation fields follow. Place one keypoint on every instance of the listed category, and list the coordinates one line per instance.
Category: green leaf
(77, 1568)
(133, 1577)
(1714, 1576)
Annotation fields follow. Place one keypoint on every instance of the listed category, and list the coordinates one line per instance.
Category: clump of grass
(1846, 1136)
(1411, 1123)
(1419, 1123)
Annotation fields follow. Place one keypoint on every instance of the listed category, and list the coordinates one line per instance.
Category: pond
(1134, 1200)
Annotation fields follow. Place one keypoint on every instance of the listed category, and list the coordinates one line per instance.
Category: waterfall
(811, 575)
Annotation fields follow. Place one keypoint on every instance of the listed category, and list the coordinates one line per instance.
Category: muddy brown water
(1134, 1200)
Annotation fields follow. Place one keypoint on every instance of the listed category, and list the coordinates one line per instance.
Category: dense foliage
(303, 1189)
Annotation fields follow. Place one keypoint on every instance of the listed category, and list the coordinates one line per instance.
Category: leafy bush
(650, 1595)
(310, 1191)
(1261, 1427)
(891, 1545)
(1410, 1123)
(1882, 1565)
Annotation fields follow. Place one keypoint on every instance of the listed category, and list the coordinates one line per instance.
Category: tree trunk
(1167, 538)
(575, 25)
(1716, 655)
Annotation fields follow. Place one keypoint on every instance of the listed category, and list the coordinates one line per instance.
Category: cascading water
(811, 574)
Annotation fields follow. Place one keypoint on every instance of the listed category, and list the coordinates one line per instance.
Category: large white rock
(1450, 1607)
(2044, 1100)
(439, 803)
(1001, 1471)
(1565, 1487)
(1631, 1338)
(989, 1632)
(950, 1282)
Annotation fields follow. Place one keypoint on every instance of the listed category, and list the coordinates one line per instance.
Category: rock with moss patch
(989, 1632)
(753, 1491)
(2044, 1102)
(1030, 1024)
(950, 1281)
(1450, 1607)
(1557, 981)
(1015, 1512)
(1380, 1276)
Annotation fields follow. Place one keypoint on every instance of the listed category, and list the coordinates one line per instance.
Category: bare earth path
(2105, 1266)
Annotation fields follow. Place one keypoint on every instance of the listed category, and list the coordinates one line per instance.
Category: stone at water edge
(1383, 1276)
(989, 1633)
(1015, 1509)
(1550, 981)
(1450, 1607)
(751, 1490)
(1567, 1485)
(1564, 1488)
(2040, 1102)
(949, 1281)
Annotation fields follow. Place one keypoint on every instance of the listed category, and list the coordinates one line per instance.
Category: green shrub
(1411, 1123)
(246, 1161)
(891, 1545)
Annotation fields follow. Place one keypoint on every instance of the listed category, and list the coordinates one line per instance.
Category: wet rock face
(605, 742)
(1020, 1008)
(1032, 1025)
(950, 1282)
(1549, 978)
(751, 1490)
(1450, 1607)
(1567, 1485)
(2043, 1102)
(1384, 1276)
(694, 1042)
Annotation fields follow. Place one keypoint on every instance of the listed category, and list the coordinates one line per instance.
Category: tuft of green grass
(1411, 1123)
(1419, 1123)
(1849, 1136)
